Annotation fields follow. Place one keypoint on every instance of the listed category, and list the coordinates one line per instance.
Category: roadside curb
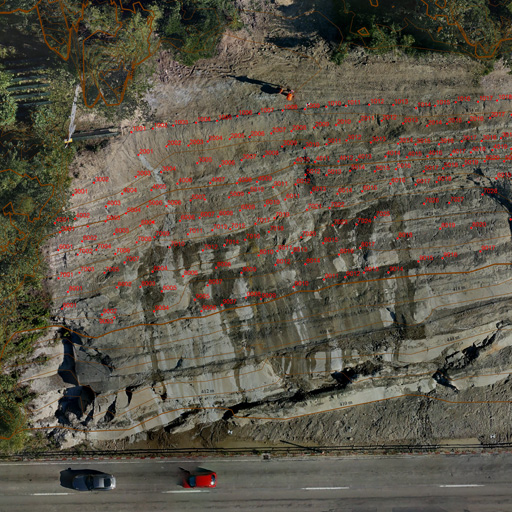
(265, 456)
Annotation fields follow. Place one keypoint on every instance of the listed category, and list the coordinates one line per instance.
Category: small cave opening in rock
(75, 401)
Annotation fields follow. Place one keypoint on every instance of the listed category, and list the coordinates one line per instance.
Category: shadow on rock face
(75, 400)
(67, 370)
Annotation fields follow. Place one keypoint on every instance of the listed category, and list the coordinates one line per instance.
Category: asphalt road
(434, 483)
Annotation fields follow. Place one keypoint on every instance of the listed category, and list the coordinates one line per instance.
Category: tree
(8, 106)
(193, 28)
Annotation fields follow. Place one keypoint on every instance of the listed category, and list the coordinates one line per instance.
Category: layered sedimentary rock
(365, 262)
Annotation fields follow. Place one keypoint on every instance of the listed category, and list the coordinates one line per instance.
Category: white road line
(176, 492)
(323, 488)
(50, 494)
(463, 485)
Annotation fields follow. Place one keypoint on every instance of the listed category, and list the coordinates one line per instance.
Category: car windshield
(192, 481)
(106, 482)
(89, 482)
(213, 479)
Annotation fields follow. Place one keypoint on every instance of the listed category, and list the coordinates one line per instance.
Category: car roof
(205, 479)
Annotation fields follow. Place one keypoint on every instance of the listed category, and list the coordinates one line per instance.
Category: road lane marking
(191, 490)
(323, 488)
(50, 494)
(463, 485)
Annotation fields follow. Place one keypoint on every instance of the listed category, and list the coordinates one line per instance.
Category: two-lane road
(434, 483)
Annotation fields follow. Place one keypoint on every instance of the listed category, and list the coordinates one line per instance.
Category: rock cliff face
(360, 272)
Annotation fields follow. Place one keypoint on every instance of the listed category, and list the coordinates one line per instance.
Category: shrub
(193, 29)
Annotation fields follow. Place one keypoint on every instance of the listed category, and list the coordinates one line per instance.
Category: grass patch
(194, 28)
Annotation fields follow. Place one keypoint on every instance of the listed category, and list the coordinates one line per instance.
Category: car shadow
(67, 475)
(202, 471)
(182, 474)
(196, 471)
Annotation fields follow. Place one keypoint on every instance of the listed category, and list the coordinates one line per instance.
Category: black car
(94, 482)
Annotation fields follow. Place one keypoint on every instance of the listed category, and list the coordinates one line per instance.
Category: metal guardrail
(27, 87)
(22, 62)
(85, 136)
(273, 450)
(42, 69)
(35, 103)
(29, 83)
(31, 95)
(29, 78)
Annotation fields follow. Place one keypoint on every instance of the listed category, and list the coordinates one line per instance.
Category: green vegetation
(116, 45)
(62, 91)
(194, 28)
(12, 419)
(8, 106)
(33, 189)
(477, 28)
(33, 206)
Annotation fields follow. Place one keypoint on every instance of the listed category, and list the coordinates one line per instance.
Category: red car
(203, 480)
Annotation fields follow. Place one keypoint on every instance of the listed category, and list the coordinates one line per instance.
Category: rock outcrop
(330, 276)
